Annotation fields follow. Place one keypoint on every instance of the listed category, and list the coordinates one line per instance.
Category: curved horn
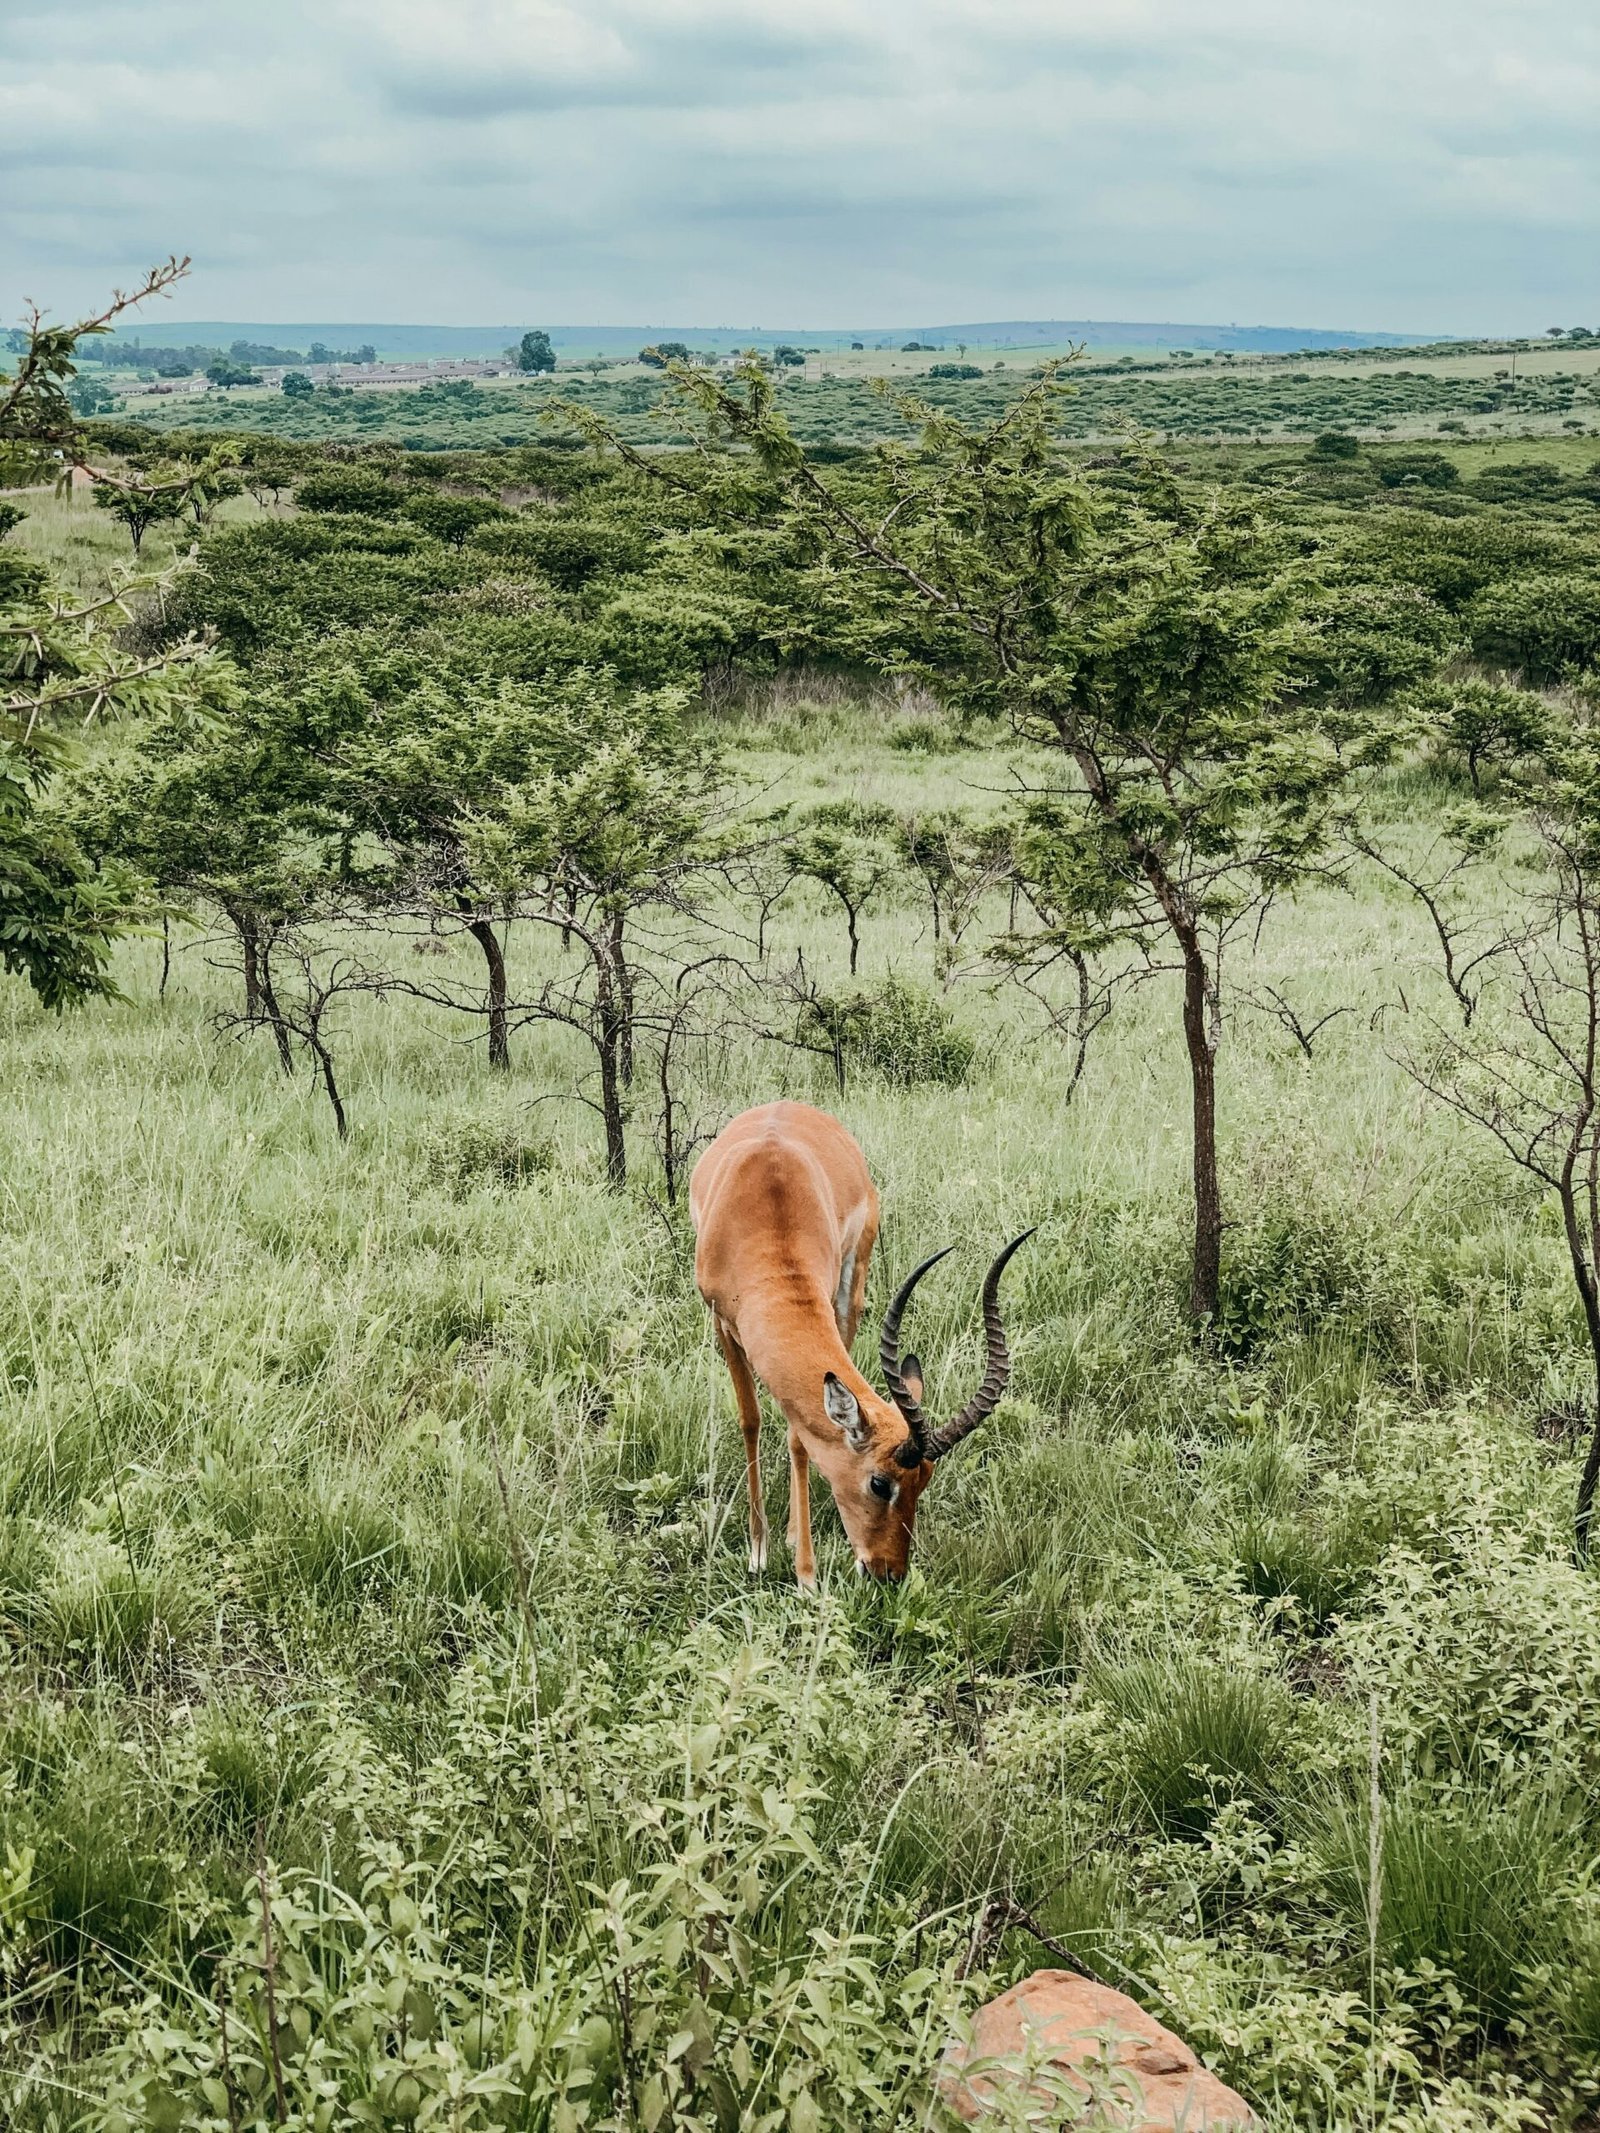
(996, 1376)
(889, 1356)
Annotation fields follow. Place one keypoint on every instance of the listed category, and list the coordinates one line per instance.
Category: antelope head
(877, 1496)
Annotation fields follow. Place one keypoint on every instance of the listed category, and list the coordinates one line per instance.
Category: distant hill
(414, 341)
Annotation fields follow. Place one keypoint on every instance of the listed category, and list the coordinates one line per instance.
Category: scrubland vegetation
(392, 1733)
(1543, 391)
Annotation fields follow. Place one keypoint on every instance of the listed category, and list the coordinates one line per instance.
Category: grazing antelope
(785, 1219)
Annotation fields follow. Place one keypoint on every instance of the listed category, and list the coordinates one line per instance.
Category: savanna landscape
(1183, 852)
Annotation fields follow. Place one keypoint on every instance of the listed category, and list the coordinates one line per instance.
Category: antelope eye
(882, 1487)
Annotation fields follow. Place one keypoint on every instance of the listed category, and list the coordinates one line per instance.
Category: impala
(785, 1219)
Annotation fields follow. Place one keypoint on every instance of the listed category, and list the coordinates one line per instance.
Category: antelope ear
(911, 1371)
(842, 1407)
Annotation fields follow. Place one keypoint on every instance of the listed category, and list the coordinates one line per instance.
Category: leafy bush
(654, 1935)
(358, 489)
(1194, 1732)
(1418, 470)
(896, 1031)
(462, 1154)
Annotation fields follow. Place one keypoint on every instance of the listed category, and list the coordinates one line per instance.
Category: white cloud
(1430, 164)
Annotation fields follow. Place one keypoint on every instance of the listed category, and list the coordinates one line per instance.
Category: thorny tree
(1149, 631)
(1527, 1068)
(65, 660)
(610, 846)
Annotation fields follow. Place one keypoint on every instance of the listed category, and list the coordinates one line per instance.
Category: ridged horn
(914, 1450)
(997, 1373)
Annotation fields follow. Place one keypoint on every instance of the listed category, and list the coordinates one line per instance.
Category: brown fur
(782, 1205)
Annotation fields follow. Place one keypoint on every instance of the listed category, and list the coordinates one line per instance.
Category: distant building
(368, 377)
(159, 386)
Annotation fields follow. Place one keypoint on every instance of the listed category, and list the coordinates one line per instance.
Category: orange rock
(1066, 2042)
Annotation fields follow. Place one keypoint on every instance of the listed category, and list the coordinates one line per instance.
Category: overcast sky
(1395, 164)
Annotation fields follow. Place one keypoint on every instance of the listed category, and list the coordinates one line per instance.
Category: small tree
(847, 849)
(534, 352)
(63, 664)
(297, 386)
(959, 862)
(616, 833)
(1527, 1071)
(140, 506)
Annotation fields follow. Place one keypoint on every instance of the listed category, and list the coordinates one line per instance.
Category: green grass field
(393, 1735)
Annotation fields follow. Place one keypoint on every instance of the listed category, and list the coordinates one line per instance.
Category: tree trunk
(325, 1061)
(499, 1029)
(269, 1000)
(611, 1113)
(609, 1051)
(1205, 1281)
(623, 977)
(166, 955)
(1583, 1275)
(855, 944)
(245, 926)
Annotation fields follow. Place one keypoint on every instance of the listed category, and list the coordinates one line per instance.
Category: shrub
(1418, 470)
(349, 489)
(465, 1153)
(896, 1031)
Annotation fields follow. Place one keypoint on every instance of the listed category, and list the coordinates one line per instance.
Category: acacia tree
(1150, 632)
(845, 848)
(63, 664)
(232, 816)
(608, 846)
(1526, 1068)
(959, 861)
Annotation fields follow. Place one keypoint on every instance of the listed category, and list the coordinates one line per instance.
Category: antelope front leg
(744, 1392)
(805, 1563)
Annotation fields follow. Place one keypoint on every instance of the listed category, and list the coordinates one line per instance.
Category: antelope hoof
(758, 1556)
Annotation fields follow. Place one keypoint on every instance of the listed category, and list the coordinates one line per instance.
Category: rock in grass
(1057, 2038)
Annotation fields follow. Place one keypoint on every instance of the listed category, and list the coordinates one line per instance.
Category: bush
(1194, 1731)
(349, 489)
(896, 1031)
(484, 1151)
(1418, 470)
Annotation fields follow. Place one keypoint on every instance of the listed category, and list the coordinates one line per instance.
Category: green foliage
(1194, 1734)
(1418, 470)
(348, 488)
(62, 666)
(466, 1154)
(1468, 1886)
(297, 386)
(534, 352)
(893, 1030)
(1538, 626)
